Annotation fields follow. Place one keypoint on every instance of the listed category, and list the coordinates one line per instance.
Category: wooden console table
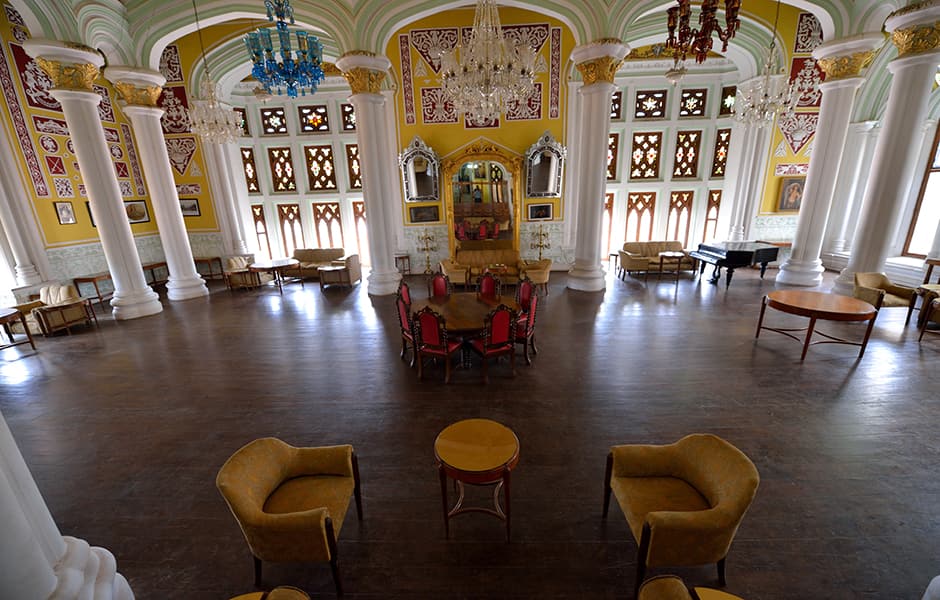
(209, 261)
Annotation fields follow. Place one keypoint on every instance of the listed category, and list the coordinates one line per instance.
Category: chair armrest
(689, 538)
(641, 460)
(28, 307)
(630, 261)
(324, 460)
(873, 296)
(901, 290)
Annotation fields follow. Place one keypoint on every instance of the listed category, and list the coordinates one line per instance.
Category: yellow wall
(514, 135)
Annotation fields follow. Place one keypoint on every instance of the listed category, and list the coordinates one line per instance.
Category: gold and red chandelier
(683, 40)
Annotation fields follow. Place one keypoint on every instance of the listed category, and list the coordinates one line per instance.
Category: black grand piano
(732, 255)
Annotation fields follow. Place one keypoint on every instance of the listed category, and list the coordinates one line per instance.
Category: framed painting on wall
(424, 214)
(791, 193)
(190, 207)
(136, 211)
(65, 213)
(540, 212)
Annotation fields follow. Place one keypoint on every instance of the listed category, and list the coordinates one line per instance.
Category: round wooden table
(9, 316)
(276, 267)
(818, 305)
(710, 594)
(464, 313)
(476, 452)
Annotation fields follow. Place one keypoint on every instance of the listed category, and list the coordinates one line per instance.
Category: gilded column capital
(602, 69)
(364, 81)
(67, 76)
(136, 95)
(918, 39)
(330, 69)
(843, 67)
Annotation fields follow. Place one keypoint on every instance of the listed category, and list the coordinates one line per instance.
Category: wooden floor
(125, 427)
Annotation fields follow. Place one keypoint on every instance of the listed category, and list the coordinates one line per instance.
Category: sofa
(58, 307)
(312, 259)
(644, 257)
(467, 265)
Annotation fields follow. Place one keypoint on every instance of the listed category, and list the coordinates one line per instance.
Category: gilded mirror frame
(418, 149)
(482, 150)
(545, 143)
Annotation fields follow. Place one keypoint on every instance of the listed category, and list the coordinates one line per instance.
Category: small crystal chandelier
(297, 71)
(485, 73)
(209, 118)
(683, 40)
(771, 94)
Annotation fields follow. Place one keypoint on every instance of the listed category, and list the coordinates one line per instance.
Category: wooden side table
(9, 316)
(476, 452)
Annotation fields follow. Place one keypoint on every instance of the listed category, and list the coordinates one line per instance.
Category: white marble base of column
(27, 275)
(736, 234)
(587, 278)
(88, 572)
(383, 283)
(186, 289)
(799, 272)
(132, 306)
(845, 283)
(838, 246)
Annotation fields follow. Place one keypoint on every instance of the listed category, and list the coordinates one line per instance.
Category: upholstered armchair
(238, 276)
(429, 331)
(931, 315)
(538, 272)
(877, 290)
(455, 272)
(58, 307)
(665, 587)
(682, 501)
(291, 502)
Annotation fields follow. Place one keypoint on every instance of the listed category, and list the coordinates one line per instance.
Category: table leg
(443, 476)
(809, 334)
(660, 268)
(29, 335)
(871, 324)
(277, 280)
(506, 495)
(760, 321)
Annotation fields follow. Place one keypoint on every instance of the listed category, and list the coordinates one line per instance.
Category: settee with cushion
(312, 259)
(644, 257)
(467, 265)
(58, 307)
(237, 275)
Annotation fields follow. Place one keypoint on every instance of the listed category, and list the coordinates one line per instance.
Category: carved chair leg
(357, 491)
(534, 349)
(607, 474)
(721, 572)
(404, 347)
(257, 571)
(334, 560)
(641, 554)
(420, 365)
(485, 378)
(447, 361)
(525, 351)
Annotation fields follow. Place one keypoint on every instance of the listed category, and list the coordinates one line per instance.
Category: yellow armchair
(538, 271)
(665, 587)
(237, 274)
(457, 273)
(682, 501)
(877, 290)
(291, 502)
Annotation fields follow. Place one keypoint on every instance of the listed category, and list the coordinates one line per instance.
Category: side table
(476, 452)
(9, 316)
(670, 258)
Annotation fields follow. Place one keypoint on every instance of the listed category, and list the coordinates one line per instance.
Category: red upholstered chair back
(499, 329)
(488, 285)
(461, 232)
(439, 285)
(403, 318)
(404, 292)
(482, 232)
(524, 292)
(495, 233)
(530, 321)
(429, 329)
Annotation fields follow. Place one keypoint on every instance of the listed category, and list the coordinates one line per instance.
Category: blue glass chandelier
(290, 70)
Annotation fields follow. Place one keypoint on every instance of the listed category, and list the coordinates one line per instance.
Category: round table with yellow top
(710, 594)
(476, 452)
(284, 592)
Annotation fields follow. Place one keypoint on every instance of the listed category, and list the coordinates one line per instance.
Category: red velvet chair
(404, 292)
(404, 321)
(495, 233)
(461, 232)
(498, 338)
(525, 329)
(430, 340)
(481, 235)
(524, 292)
(439, 285)
(489, 285)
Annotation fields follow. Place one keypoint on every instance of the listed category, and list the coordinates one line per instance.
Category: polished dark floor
(124, 428)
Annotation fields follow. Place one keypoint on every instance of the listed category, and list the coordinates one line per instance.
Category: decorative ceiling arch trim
(380, 25)
(105, 28)
(55, 22)
(872, 17)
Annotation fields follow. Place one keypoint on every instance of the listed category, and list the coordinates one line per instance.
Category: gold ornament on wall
(138, 96)
(364, 81)
(917, 40)
(69, 76)
(843, 67)
(330, 69)
(599, 70)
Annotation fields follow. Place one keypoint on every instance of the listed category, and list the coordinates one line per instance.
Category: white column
(23, 268)
(573, 167)
(853, 175)
(139, 90)
(38, 563)
(73, 71)
(221, 179)
(396, 222)
(380, 189)
(749, 181)
(893, 165)
(842, 61)
(16, 218)
(598, 63)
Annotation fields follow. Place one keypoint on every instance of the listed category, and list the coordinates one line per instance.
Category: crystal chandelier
(486, 72)
(683, 40)
(209, 118)
(769, 95)
(300, 70)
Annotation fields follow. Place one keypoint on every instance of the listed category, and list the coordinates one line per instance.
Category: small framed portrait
(791, 193)
(540, 212)
(136, 211)
(190, 207)
(424, 214)
(65, 213)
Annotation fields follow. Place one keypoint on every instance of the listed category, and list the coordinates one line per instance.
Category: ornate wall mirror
(545, 162)
(483, 186)
(419, 170)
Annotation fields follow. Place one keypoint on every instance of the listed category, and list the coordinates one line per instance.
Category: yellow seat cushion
(639, 496)
(314, 491)
(664, 587)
